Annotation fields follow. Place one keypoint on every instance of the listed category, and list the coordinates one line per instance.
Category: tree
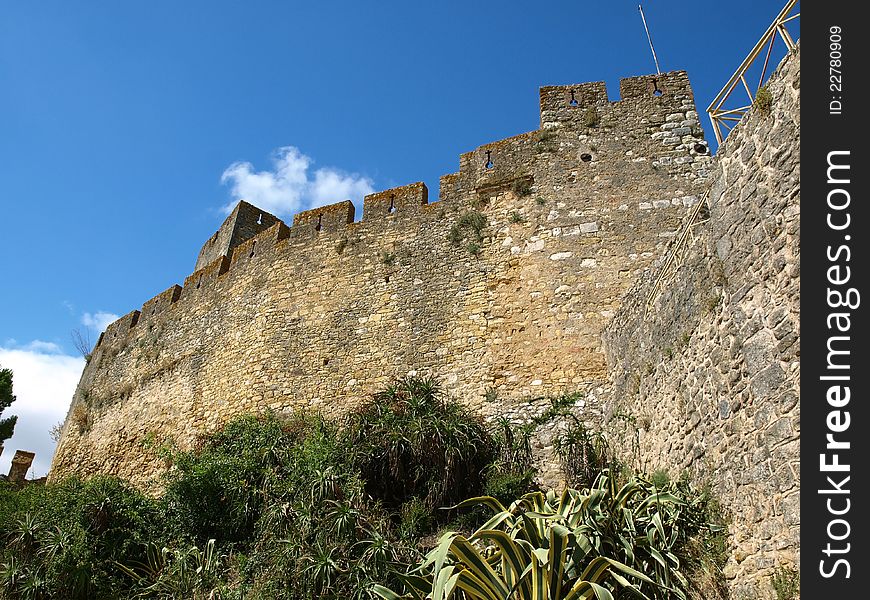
(6, 398)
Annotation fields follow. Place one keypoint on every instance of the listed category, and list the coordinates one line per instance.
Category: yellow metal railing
(724, 119)
(675, 253)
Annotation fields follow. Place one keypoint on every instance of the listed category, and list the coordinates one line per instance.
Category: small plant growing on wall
(763, 100)
(786, 583)
(546, 142)
(516, 218)
(388, 258)
(469, 226)
(523, 187)
(81, 418)
(591, 118)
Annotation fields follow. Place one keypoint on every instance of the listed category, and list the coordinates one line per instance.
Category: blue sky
(127, 127)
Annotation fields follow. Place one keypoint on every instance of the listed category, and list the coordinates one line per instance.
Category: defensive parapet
(407, 199)
(505, 283)
(243, 223)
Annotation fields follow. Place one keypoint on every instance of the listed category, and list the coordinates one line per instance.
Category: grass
(591, 117)
(81, 417)
(763, 100)
(660, 478)
(469, 226)
(522, 187)
(516, 218)
(546, 141)
(786, 582)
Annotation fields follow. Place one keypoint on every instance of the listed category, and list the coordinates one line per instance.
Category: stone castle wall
(705, 352)
(321, 314)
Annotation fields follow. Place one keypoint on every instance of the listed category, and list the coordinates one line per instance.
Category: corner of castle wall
(244, 222)
(261, 245)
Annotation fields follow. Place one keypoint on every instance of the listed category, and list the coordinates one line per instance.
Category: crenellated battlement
(640, 97)
(204, 277)
(245, 221)
(406, 199)
(579, 126)
(332, 217)
(506, 282)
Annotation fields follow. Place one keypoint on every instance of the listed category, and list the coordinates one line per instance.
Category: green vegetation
(300, 507)
(591, 117)
(516, 218)
(469, 226)
(545, 141)
(584, 454)
(523, 187)
(786, 583)
(7, 425)
(614, 537)
(64, 541)
(763, 100)
(412, 444)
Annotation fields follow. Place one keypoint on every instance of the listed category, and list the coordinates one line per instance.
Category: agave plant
(188, 572)
(577, 545)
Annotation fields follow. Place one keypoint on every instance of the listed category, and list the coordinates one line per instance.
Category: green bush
(298, 508)
(584, 454)
(65, 540)
(523, 187)
(286, 495)
(546, 141)
(587, 543)
(591, 117)
(218, 492)
(516, 218)
(469, 225)
(411, 443)
(786, 583)
(763, 100)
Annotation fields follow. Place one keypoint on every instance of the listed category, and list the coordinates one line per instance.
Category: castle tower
(242, 224)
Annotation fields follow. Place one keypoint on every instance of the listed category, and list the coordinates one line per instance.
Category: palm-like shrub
(412, 443)
(580, 544)
(67, 538)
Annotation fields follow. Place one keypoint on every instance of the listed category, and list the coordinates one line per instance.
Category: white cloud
(289, 187)
(41, 347)
(43, 381)
(99, 320)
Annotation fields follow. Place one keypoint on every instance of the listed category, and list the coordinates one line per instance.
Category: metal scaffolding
(724, 119)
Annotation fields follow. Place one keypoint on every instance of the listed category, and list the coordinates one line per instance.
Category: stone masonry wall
(705, 367)
(322, 314)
